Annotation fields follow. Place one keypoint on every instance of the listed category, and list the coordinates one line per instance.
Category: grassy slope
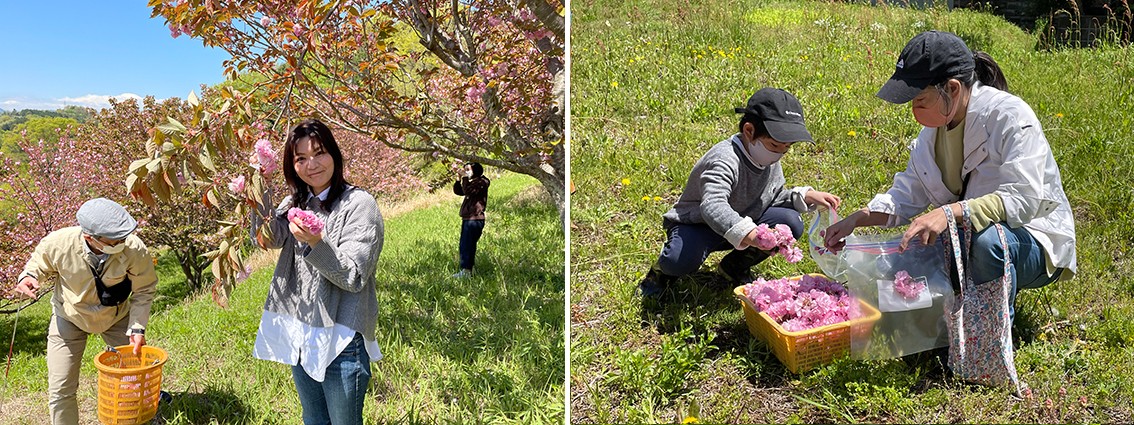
(653, 87)
(486, 349)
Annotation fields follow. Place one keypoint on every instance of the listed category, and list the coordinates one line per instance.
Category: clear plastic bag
(867, 265)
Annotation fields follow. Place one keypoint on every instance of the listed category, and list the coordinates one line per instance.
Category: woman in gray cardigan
(322, 309)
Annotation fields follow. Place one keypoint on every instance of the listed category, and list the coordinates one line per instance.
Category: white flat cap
(105, 218)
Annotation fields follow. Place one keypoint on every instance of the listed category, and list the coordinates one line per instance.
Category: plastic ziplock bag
(867, 265)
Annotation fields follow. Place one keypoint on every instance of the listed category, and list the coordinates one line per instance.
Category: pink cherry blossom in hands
(309, 219)
(766, 238)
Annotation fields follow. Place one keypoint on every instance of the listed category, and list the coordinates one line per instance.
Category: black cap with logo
(781, 112)
(929, 58)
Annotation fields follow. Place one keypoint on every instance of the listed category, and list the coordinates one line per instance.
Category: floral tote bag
(978, 320)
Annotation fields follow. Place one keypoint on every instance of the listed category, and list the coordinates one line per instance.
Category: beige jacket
(60, 259)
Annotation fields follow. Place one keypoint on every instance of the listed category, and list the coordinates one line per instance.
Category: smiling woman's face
(313, 164)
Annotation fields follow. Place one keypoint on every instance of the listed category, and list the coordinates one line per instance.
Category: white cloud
(97, 101)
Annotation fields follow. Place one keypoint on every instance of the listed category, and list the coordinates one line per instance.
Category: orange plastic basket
(803, 350)
(129, 387)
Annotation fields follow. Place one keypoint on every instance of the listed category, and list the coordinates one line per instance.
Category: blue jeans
(1028, 267)
(689, 245)
(338, 399)
(470, 235)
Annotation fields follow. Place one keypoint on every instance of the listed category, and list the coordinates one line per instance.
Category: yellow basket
(129, 387)
(803, 350)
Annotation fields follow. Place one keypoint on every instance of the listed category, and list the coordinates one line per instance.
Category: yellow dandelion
(690, 420)
(613, 84)
(1059, 115)
(851, 133)
(657, 198)
(625, 182)
(631, 62)
(645, 198)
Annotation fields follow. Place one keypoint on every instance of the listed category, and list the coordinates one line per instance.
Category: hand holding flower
(305, 225)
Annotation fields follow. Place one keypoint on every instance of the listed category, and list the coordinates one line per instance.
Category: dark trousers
(470, 235)
(688, 245)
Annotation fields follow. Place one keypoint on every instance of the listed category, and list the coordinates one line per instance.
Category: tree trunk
(191, 270)
(554, 184)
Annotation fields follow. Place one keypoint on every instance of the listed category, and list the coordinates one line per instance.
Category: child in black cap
(737, 185)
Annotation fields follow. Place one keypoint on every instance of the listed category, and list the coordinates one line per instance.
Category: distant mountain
(13, 118)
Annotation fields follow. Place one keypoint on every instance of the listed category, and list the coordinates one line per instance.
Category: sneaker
(464, 273)
(653, 284)
(738, 276)
(165, 397)
(737, 266)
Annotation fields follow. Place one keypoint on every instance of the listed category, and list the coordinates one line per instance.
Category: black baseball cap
(781, 112)
(928, 59)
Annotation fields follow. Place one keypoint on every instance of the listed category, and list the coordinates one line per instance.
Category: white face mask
(107, 249)
(761, 155)
(468, 173)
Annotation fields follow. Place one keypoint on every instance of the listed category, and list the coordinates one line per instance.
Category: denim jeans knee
(339, 398)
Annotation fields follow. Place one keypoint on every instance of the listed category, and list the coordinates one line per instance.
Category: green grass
(484, 350)
(653, 87)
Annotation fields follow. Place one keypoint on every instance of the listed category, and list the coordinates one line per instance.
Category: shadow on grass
(30, 329)
(700, 293)
(213, 405)
(511, 308)
(173, 287)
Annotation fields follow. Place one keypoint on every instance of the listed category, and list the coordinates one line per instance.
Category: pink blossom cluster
(780, 239)
(236, 185)
(309, 219)
(906, 286)
(267, 159)
(802, 303)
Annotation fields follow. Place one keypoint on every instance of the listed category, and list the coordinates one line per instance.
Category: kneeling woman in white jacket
(981, 145)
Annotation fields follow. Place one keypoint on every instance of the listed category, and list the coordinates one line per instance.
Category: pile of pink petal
(309, 219)
(804, 303)
(778, 238)
(906, 286)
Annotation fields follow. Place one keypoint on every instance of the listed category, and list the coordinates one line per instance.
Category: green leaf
(193, 168)
(171, 128)
(161, 189)
(207, 161)
(192, 99)
(171, 179)
(211, 196)
(136, 167)
(177, 124)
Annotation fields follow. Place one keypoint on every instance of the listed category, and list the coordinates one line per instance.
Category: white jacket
(1005, 153)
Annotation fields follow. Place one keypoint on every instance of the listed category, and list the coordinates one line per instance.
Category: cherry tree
(480, 86)
(42, 193)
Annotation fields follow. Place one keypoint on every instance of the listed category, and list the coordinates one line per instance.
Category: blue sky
(80, 52)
